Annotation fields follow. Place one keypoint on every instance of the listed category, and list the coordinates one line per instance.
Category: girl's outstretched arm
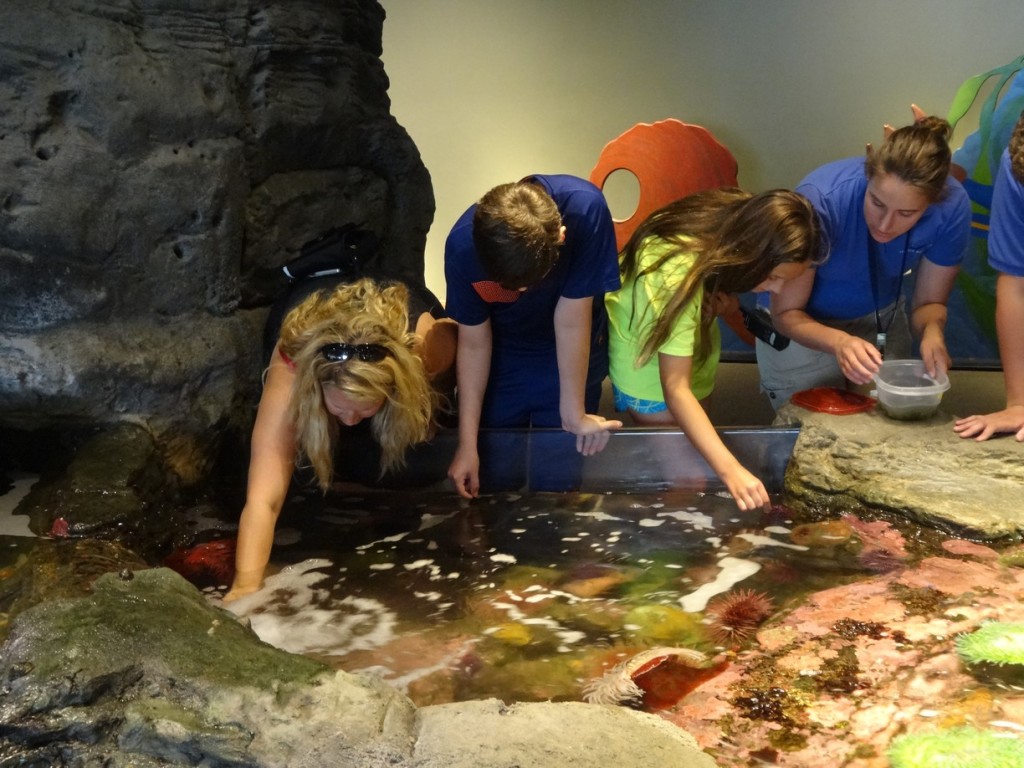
(748, 491)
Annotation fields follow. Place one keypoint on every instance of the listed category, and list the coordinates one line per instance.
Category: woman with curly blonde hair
(364, 350)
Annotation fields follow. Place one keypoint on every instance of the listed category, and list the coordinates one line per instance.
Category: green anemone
(995, 642)
(957, 748)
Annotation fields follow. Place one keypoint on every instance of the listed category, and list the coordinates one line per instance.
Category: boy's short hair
(517, 230)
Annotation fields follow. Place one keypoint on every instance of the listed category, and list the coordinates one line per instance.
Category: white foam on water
(10, 523)
(732, 571)
(429, 520)
(291, 614)
(768, 541)
(416, 564)
(649, 523)
(386, 540)
(600, 516)
(500, 558)
(698, 520)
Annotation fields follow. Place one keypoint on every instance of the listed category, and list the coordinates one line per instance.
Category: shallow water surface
(526, 597)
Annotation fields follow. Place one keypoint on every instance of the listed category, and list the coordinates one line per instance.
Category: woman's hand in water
(245, 583)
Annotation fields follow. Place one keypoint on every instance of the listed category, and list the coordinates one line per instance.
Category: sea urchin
(735, 615)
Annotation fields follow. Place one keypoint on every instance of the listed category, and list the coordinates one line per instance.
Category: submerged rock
(920, 471)
(837, 679)
(144, 671)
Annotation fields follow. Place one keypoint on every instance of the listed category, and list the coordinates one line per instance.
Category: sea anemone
(645, 676)
(211, 564)
(957, 748)
(995, 642)
(735, 615)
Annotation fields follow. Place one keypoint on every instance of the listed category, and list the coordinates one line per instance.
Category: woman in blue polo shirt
(895, 218)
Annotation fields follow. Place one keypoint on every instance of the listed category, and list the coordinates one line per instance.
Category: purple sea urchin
(735, 615)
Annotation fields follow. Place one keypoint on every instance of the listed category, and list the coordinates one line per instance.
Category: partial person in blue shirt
(1006, 256)
(526, 270)
(893, 219)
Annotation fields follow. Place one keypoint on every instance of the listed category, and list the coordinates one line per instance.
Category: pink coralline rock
(869, 599)
(880, 658)
(855, 666)
(954, 577)
(969, 549)
(774, 638)
(878, 534)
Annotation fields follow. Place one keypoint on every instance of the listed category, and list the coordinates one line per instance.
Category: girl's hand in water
(748, 492)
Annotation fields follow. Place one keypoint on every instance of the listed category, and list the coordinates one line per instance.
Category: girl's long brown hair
(736, 240)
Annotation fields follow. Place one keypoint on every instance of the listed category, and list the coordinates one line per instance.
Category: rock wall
(159, 161)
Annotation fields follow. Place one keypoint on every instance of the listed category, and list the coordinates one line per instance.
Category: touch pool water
(823, 641)
(524, 597)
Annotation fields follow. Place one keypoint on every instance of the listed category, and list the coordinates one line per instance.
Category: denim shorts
(624, 402)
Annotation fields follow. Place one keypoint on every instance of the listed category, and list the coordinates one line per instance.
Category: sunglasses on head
(367, 353)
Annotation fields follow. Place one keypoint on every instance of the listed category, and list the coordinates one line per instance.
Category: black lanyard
(873, 255)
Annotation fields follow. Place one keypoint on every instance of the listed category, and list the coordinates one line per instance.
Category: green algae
(149, 617)
(922, 601)
(665, 625)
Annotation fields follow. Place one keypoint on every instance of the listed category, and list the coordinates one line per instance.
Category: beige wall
(492, 90)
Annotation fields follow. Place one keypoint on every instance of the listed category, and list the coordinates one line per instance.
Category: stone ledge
(920, 470)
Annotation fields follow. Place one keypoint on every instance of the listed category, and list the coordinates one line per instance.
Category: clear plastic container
(907, 392)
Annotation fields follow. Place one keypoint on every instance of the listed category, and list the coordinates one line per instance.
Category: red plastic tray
(839, 402)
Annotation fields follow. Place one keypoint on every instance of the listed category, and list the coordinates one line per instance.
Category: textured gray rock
(918, 470)
(145, 672)
(159, 160)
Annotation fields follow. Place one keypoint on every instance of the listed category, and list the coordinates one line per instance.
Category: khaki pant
(797, 367)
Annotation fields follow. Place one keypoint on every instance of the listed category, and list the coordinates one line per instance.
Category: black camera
(759, 323)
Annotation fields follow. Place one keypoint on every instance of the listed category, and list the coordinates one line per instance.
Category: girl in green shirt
(682, 267)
